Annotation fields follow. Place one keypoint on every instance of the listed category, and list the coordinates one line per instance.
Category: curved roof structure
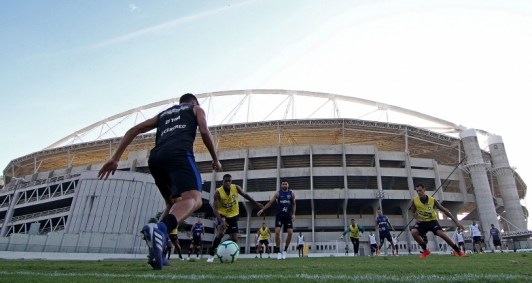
(269, 118)
(257, 105)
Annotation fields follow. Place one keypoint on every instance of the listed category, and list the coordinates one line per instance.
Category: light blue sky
(67, 64)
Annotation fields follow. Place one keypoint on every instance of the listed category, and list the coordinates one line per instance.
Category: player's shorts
(460, 244)
(477, 239)
(424, 227)
(283, 221)
(172, 237)
(174, 173)
(264, 242)
(232, 224)
(196, 241)
(497, 243)
(385, 236)
(373, 247)
(299, 247)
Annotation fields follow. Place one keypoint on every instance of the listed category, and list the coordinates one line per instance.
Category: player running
(354, 231)
(424, 209)
(372, 243)
(382, 223)
(460, 239)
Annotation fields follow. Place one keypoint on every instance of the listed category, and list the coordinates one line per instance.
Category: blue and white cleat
(154, 239)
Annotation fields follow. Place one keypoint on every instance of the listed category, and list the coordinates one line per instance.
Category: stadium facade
(340, 166)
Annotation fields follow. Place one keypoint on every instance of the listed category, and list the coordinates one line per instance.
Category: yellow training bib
(353, 231)
(264, 233)
(228, 205)
(425, 212)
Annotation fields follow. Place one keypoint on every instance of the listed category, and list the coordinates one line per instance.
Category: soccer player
(284, 216)
(226, 210)
(167, 251)
(264, 235)
(354, 231)
(172, 165)
(496, 235)
(382, 223)
(424, 209)
(372, 243)
(395, 242)
(346, 250)
(460, 239)
(257, 245)
(476, 233)
(175, 240)
(300, 244)
(197, 232)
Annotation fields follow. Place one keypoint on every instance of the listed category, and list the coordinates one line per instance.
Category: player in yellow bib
(225, 208)
(354, 231)
(424, 209)
(264, 235)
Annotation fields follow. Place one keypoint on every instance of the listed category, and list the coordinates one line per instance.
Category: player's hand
(459, 225)
(108, 168)
(216, 165)
(259, 213)
(293, 217)
(261, 205)
(380, 229)
(341, 237)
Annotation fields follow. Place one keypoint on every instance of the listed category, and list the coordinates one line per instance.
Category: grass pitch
(435, 268)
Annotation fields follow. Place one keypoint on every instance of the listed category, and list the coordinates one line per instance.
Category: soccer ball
(228, 252)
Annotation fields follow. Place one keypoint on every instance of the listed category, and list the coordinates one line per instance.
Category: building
(339, 165)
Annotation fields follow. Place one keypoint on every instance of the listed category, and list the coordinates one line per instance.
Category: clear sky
(67, 64)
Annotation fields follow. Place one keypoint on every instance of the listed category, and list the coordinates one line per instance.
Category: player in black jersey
(172, 165)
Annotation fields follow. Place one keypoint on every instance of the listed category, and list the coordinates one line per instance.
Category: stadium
(344, 158)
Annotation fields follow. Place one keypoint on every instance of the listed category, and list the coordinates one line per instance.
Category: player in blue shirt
(382, 224)
(284, 216)
(196, 235)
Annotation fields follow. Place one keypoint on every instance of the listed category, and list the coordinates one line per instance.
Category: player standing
(226, 210)
(300, 244)
(172, 166)
(496, 235)
(372, 243)
(424, 209)
(284, 216)
(264, 235)
(382, 223)
(395, 242)
(175, 241)
(476, 233)
(197, 232)
(460, 239)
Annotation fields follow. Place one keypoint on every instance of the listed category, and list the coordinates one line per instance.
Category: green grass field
(435, 268)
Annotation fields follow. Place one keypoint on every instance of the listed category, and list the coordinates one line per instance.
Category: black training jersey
(284, 203)
(176, 128)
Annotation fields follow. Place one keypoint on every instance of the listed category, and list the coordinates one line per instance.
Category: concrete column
(313, 220)
(437, 181)
(409, 177)
(248, 206)
(477, 171)
(346, 189)
(507, 187)
(14, 199)
(378, 169)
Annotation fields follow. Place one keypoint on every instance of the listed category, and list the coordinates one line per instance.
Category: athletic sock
(170, 222)
(215, 244)
(424, 246)
(285, 248)
(276, 250)
(189, 252)
(456, 248)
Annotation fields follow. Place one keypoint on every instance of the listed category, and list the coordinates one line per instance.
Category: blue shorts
(174, 174)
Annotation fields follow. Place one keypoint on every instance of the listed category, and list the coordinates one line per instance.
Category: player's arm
(390, 224)
(192, 232)
(202, 231)
(248, 197)
(449, 214)
(377, 225)
(109, 168)
(293, 206)
(215, 205)
(275, 196)
(207, 137)
(414, 212)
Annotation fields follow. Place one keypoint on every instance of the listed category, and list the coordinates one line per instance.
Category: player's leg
(416, 232)
(190, 248)
(198, 249)
(220, 232)
(438, 231)
(177, 246)
(289, 233)
(356, 244)
(277, 248)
